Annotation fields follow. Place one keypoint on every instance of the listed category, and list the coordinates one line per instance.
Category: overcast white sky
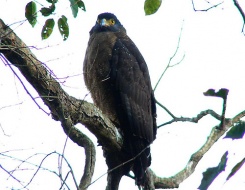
(214, 58)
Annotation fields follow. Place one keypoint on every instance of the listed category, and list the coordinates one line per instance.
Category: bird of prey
(117, 76)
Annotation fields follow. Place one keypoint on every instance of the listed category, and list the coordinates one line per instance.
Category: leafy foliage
(47, 28)
(151, 6)
(237, 131)
(31, 13)
(63, 27)
(211, 173)
(235, 169)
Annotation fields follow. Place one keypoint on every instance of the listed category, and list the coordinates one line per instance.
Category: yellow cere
(109, 22)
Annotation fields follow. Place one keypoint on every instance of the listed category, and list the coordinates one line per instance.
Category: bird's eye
(112, 21)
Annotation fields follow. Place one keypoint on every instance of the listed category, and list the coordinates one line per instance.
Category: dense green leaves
(63, 27)
(31, 13)
(151, 6)
(237, 131)
(75, 4)
(47, 28)
(211, 173)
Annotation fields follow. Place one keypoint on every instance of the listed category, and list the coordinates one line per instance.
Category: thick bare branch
(82, 140)
(64, 108)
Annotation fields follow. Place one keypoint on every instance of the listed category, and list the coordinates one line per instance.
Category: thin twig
(38, 166)
(60, 158)
(166, 109)
(3, 131)
(171, 58)
(120, 165)
(237, 5)
(11, 175)
(21, 82)
(207, 9)
(194, 119)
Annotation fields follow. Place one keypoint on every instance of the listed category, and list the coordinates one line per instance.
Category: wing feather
(132, 84)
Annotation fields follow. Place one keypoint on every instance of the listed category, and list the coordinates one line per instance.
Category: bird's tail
(142, 161)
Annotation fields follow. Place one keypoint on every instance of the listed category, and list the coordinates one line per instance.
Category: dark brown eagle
(117, 76)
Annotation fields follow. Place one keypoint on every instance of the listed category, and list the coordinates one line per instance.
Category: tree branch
(216, 133)
(64, 108)
(169, 65)
(81, 140)
(193, 119)
(237, 5)
(207, 9)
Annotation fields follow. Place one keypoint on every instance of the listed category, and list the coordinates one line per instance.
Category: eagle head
(107, 22)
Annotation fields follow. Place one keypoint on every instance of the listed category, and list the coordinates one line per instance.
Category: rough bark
(64, 108)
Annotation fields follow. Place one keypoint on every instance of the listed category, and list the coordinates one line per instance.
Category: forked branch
(216, 133)
(64, 108)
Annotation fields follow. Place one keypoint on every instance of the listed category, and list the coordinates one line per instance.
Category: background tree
(65, 108)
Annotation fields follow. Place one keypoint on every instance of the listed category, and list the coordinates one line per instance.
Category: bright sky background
(214, 58)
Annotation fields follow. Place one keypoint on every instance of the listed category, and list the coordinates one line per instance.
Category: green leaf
(74, 7)
(47, 28)
(209, 92)
(237, 131)
(47, 11)
(63, 27)
(81, 5)
(222, 93)
(31, 13)
(235, 168)
(151, 6)
(211, 173)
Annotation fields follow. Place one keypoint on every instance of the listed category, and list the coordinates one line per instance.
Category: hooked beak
(104, 22)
